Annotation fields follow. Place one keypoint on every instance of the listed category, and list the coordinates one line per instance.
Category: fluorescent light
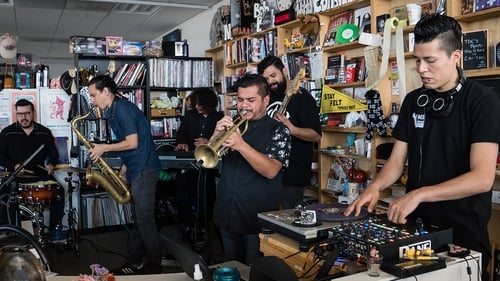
(155, 3)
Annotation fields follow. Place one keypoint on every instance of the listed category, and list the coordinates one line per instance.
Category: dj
(18, 142)
(448, 132)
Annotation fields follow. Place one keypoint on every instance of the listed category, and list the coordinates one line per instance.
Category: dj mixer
(357, 239)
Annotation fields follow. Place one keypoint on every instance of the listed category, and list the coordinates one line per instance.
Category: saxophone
(108, 178)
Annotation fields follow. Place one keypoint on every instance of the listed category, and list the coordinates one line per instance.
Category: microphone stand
(13, 209)
(72, 233)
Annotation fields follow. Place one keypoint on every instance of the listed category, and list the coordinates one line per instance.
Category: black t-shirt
(439, 149)
(242, 192)
(303, 112)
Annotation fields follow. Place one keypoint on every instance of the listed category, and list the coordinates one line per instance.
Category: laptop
(187, 258)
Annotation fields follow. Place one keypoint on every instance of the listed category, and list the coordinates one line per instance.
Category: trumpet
(207, 155)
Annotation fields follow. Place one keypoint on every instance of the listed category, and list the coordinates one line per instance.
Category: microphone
(13, 175)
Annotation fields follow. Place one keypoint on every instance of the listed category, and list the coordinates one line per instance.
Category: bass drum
(36, 219)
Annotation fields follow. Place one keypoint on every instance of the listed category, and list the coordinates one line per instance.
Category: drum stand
(72, 233)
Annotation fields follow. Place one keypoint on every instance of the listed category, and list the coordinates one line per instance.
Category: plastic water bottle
(345, 188)
(185, 48)
(197, 275)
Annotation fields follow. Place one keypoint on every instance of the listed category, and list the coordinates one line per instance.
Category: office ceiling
(43, 27)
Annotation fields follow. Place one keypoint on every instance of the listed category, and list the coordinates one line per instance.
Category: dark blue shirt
(126, 119)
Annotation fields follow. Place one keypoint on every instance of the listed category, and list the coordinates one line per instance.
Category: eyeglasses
(21, 114)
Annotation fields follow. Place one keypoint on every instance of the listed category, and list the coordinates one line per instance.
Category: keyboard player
(196, 188)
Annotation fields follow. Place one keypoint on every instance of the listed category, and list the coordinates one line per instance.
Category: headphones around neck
(440, 105)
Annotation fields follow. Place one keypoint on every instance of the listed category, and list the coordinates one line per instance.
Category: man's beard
(25, 124)
(280, 90)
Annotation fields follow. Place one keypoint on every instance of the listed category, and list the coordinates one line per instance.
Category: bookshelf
(486, 19)
(157, 86)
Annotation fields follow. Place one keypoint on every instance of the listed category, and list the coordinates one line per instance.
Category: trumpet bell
(207, 155)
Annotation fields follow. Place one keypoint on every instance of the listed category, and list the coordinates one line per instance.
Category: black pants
(196, 196)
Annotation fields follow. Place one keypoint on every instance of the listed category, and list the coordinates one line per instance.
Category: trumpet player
(251, 170)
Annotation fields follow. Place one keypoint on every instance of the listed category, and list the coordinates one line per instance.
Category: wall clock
(283, 4)
(217, 28)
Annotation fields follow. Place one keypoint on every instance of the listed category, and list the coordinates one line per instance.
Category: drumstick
(28, 171)
(42, 167)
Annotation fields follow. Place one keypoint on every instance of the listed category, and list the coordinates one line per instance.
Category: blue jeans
(244, 248)
(144, 242)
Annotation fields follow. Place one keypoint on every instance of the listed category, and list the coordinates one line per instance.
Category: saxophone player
(140, 169)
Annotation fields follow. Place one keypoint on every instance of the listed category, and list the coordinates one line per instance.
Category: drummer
(18, 142)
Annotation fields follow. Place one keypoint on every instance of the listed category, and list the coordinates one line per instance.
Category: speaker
(440, 105)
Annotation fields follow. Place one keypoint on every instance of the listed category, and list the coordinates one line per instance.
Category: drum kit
(28, 201)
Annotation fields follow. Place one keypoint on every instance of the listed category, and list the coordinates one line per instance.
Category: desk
(456, 270)
(288, 249)
(156, 277)
(181, 276)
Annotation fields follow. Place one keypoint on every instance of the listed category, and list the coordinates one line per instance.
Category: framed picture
(114, 45)
(178, 49)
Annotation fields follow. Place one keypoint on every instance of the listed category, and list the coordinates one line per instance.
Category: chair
(271, 268)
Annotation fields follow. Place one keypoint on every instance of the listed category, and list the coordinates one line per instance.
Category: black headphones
(440, 105)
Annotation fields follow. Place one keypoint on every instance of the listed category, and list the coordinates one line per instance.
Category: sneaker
(58, 235)
(129, 269)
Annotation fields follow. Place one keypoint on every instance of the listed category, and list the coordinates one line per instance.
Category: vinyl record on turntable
(335, 212)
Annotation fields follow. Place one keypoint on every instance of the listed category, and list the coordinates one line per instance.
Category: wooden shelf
(347, 155)
(349, 6)
(342, 47)
(481, 15)
(346, 85)
(356, 130)
(236, 65)
(485, 72)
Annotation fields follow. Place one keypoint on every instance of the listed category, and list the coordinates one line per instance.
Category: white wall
(197, 30)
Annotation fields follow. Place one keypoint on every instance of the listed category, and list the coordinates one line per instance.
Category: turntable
(297, 225)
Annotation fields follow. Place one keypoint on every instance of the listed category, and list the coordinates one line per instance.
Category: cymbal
(26, 176)
(20, 175)
(72, 169)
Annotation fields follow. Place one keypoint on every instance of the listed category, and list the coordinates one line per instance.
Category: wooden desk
(287, 249)
(182, 276)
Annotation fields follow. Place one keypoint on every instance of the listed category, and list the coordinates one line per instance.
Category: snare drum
(40, 192)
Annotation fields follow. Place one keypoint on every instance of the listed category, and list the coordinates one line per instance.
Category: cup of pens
(373, 264)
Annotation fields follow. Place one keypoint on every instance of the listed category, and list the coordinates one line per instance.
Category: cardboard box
(288, 250)
(153, 48)
(156, 112)
(114, 45)
(132, 48)
(87, 45)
